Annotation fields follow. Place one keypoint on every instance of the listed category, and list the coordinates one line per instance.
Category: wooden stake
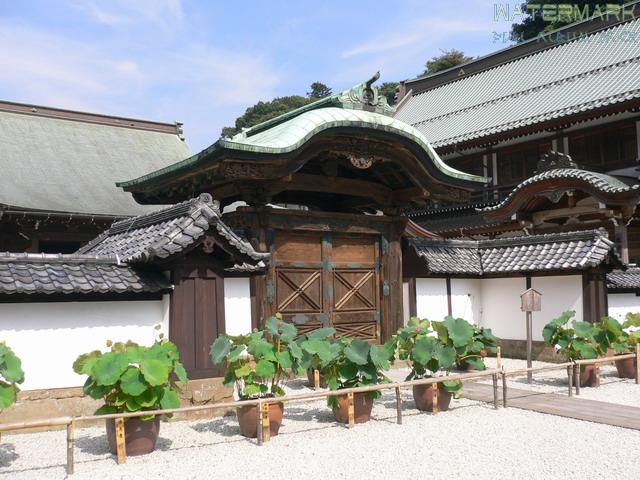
(266, 426)
(398, 406)
(504, 389)
(499, 358)
(121, 448)
(637, 363)
(436, 407)
(495, 391)
(576, 378)
(596, 372)
(570, 375)
(316, 379)
(259, 433)
(351, 410)
(70, 446)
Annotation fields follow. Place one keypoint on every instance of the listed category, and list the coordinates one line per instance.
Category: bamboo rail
(263, 423)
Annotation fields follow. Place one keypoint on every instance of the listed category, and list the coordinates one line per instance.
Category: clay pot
(626, 368)
(362, 405)
(323, 381)
(140, 436)
(589, 376)
(423, 396)
(248, 419)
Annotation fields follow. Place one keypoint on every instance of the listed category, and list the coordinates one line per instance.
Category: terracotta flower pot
(362, 405)
(423, 396)
(626, 368)
(140, 436)
(323, 381)
(589, 376)
(248, 419)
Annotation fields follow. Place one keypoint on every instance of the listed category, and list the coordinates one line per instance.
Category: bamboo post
(495, 390)
(70, 446)
(596, 372)
(259, 419)
(351, 410)
(121, 448)
(436, 406)
(576, 378)
(637, 362)
(570, 370)
(499, 358)
(504, 389)
(398, 406)
(316, 379)
(266, 425)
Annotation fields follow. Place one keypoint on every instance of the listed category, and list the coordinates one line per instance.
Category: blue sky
(203, 63)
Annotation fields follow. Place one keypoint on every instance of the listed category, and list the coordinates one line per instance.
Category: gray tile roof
(534, 253)
(599, 181)
(23, 273)
(624, 279)
(574, 77)
(169, 232)
(63, 165)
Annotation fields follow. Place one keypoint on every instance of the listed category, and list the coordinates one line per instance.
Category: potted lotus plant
(11, 375)
(257, 365)
(578, 341)
(351, 363)
(623, 339)
(434, 352)
(317, 352)
(134, 378)
(482, 343)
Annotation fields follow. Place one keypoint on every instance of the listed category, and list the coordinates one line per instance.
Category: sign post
(531, 301)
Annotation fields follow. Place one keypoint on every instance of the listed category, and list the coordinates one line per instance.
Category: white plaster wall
(500, 300)
(466, 299)
(621, 303)
(559, 294)
(405, 303)
(48, 337)
(237, 306)
(431, 298)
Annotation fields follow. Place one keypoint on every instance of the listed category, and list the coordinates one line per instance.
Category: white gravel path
(470, 441)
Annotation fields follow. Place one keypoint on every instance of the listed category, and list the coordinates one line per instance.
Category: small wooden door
(328, 279)
(197, 318)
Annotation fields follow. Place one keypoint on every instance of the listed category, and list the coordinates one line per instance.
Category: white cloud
(166, 14)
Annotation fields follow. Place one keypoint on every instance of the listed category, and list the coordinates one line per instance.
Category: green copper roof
(358, 107)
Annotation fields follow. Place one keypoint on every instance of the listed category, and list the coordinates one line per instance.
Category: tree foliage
(537, 20)
(318, 90)
(11, 375)
(447, 59)
(388, 89)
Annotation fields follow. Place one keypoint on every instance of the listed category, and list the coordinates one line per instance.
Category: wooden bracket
(434, 388)
(316, 379)
(70, 446)
(121, 448)
(266, 428)
(351, 410)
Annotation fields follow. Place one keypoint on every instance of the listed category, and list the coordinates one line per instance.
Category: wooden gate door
(197, 318)
(325, 279)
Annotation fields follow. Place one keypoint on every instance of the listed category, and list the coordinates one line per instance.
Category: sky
(204, 62)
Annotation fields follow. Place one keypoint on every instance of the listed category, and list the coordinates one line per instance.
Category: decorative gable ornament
(531, 300)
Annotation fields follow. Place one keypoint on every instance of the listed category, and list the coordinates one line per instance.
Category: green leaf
(181, 373)
(106, 410)
(358, 351)
(280, 329)
(321, 333)
(446, 356)
(251, 390)
(476, 362)
(84, 363)
(423, 350)
(460, 331)
(284, 359)
(7, 395)
(236, 353)
(381, 354)
(95, 391)
(295, 350)
(583, 329)
(265, 369)
(109, 367)
(132, 382)
(131, 404)
(13, 368)
(348, 370)
(261, 349)
(441, 330)
(243, 371)
(220, 349)
(453, 386)
(148, 398)
(170, 399)
(585, 350)
(155, 372)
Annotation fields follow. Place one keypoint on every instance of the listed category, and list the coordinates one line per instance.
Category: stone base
(66, 402)
(518, 349)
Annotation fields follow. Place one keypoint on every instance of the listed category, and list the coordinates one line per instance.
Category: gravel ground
(612, 388)
(470, 441)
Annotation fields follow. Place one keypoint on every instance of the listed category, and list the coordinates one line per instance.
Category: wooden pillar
(391, 269)
(594, 295)
(413, 298)
(449, 306)
(622, 241)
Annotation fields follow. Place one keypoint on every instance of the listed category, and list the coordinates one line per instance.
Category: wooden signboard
(531, 300)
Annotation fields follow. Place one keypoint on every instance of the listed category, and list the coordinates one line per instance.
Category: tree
(319, 90)
(263, 111)
(388, 89)
(448, 59)
(542, 17)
